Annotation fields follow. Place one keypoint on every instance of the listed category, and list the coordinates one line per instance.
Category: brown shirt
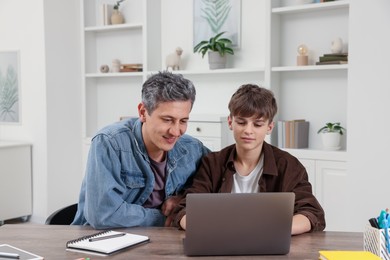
(282, 172)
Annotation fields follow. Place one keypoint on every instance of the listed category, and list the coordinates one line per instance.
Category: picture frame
(214, 16)
(9, 87)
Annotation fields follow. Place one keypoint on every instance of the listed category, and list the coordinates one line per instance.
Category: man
(137, 168)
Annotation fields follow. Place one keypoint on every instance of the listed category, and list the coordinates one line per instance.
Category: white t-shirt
(249, 183)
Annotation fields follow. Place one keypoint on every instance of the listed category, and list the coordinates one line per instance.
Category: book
(293, 133)
(300, 134)
(23, 254)
(333, 58)
(347, 255)
(106, 242)
(280, 134)
(107, 12)
(331, 62)
(345, 54)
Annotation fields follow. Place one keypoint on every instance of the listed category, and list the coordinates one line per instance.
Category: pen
(374, 223)
(106, 237)
(9, 255)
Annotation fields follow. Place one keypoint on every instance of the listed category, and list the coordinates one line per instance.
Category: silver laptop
(239, 224)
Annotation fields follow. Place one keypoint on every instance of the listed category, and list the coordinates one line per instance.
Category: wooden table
(166, 243)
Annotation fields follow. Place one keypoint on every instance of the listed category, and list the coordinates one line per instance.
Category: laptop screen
(239, 224)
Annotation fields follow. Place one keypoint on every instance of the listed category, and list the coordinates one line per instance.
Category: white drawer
(204, 129)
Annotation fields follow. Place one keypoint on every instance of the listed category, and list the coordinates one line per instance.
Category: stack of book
(131, 67)
(333, 58)
(104, 15)
(293, 134)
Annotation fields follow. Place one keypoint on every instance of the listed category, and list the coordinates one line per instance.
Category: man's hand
(167, 208)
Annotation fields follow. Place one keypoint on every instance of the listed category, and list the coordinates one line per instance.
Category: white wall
(368, 115)
(50, 95)
(63, 114)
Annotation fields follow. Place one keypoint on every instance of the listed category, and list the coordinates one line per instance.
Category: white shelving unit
(317, 93)
(325, 86)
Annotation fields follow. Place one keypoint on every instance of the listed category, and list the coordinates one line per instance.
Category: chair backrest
(62, 216)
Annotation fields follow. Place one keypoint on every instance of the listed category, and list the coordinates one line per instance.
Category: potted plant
(117, 17)
(217, 48)
(331, 135)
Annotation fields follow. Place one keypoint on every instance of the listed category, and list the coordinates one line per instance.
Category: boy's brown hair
(250, 100)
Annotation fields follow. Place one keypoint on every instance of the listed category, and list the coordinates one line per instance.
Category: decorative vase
(117, 17)
(331, 141)
(216, 61)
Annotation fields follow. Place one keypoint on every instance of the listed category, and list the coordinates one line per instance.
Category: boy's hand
(168, 207)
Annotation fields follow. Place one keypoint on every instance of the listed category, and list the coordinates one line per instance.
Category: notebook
(238, 224)
(9, 252)
(347, 255)
(106, 242)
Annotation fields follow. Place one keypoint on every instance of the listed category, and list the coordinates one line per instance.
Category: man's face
(164, 126)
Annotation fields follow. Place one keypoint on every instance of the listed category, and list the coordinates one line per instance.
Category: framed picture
(9, 87)
(214, 16)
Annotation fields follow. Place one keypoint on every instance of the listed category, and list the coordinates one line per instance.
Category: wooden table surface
(165, 243)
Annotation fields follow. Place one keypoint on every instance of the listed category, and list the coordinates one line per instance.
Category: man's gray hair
(166, 87)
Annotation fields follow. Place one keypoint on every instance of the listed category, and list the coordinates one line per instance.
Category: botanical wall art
(214, 16)
(9, 87)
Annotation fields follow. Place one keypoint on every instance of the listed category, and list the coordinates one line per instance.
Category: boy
(252, 165)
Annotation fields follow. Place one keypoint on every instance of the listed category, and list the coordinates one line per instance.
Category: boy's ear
(230, 120)
(270, 127)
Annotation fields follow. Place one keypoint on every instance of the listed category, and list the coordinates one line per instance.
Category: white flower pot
(331, 141)
(216, 61)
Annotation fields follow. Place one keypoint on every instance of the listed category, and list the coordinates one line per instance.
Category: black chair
(62, 216)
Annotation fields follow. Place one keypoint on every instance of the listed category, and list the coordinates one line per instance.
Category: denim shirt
(119, 178)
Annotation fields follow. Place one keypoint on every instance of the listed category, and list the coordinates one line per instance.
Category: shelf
(310, 67)
(310, 7)
(219, 71)
(113, 27)
(114, 75)
(340, 155)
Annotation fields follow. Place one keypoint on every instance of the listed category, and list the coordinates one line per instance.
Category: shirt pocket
(134, 180)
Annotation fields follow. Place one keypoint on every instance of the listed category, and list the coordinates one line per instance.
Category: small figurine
(104, 68)
(173, 60)
(337, 46)
(116, 65)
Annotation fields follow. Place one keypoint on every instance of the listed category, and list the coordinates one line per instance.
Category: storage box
(375, 241)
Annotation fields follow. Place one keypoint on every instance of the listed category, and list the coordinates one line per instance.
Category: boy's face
(249, 132)
(162, 128)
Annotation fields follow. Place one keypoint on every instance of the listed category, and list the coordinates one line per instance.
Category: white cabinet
(332, 186)
(328, 175)
(315, 93)
(212, 130)
(16, 183)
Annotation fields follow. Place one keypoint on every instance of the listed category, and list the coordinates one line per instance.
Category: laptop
(238, 224)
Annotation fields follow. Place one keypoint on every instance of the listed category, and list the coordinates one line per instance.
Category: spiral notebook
(105, 242)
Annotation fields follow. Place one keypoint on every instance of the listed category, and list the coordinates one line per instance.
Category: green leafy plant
(332, 128)
(118, 3)
(215, 43)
